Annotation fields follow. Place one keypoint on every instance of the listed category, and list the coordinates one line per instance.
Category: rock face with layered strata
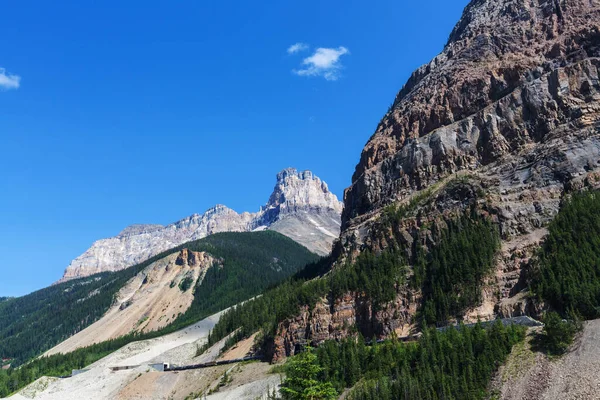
(506, 120)
(518, 80)
(300, 207)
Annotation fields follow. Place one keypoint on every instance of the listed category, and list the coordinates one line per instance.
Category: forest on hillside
(567, 273)
(251, 262)
(32, 324)
(450, 279)
(454, 364)
(450, 276)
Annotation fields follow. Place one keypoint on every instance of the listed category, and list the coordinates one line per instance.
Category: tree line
(454, 364)
(248, 264)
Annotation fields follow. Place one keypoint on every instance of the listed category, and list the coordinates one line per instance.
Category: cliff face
(513, 102)
(514, 77)
(505, 121)
(300, 207)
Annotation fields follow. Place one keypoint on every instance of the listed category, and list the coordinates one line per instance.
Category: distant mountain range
(300, 207)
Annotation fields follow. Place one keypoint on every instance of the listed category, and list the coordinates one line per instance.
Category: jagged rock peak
(292, 173)
(295, 190)
(301, 207)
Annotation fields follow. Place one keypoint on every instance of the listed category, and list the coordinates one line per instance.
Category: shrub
(186, 283)
(558, 333)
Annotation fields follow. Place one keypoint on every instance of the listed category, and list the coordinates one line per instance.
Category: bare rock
(300, 207)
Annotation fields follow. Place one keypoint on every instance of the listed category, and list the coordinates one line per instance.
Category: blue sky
(114, 113)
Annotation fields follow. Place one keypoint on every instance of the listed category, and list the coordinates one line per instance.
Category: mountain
(300, 207)
(172, 289)
(477, 197)
(504, 121)
(454, 192)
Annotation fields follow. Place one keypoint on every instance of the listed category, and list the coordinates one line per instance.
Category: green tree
(558, 333)
(301, 381)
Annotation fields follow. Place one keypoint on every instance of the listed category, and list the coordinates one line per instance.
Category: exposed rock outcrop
(149, 301)
(300, 207)
(504, 121)
(516, 77)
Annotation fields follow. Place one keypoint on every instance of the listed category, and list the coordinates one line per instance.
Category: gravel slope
(148, 302)
(102, 383)
(532, 376)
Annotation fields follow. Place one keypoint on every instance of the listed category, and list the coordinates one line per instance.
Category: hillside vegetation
(251, 262)
(455, 266)
(34, 323)
(454, 364)
(453, 272)
(450, 278)
(568, 273)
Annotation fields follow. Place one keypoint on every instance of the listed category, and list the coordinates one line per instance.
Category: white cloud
(324, 62)
(297, 48)
(8, 81)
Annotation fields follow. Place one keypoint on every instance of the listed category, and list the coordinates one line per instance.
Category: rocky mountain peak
(301, 207)
(301, 190)
(286, 173)
(218, 209)
(507, 79)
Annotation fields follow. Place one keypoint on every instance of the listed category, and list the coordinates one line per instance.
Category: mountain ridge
(300, 206)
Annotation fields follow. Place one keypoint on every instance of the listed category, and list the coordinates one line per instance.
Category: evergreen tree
(301, 379)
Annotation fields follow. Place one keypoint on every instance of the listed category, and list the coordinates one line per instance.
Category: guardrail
(211, 364)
